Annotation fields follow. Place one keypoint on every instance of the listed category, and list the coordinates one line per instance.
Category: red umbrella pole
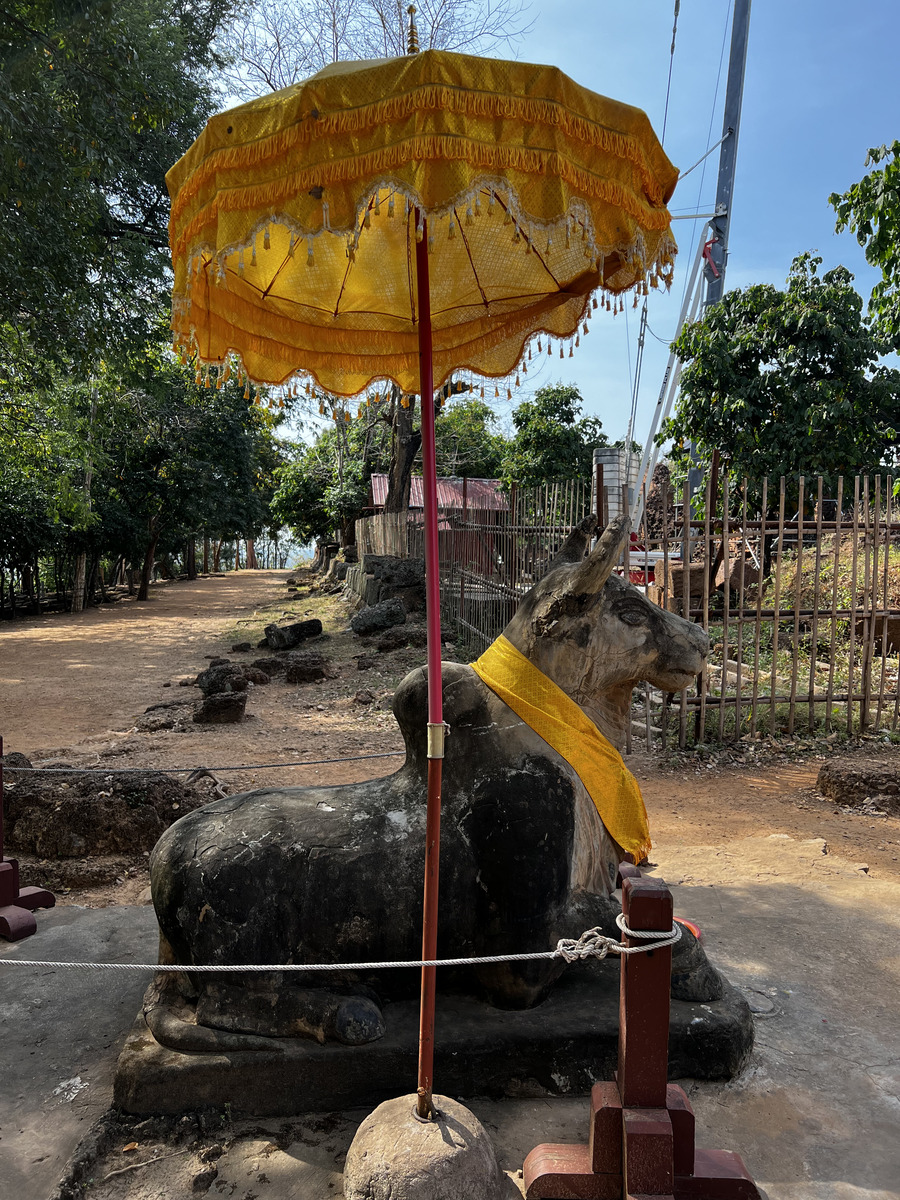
(435, 699)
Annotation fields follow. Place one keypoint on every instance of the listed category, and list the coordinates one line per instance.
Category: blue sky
(821, 87)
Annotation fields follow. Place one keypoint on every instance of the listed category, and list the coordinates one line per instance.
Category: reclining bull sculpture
(334, 874)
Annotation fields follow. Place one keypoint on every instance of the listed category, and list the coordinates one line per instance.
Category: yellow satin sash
(561, 723)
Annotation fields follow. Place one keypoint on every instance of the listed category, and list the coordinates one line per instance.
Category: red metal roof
(480, 493)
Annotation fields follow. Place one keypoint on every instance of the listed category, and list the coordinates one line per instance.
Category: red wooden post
(641, 1131)
(644, 997)
(16, 904)
(435, 735)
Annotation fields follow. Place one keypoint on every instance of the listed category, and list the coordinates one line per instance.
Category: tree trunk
(91, 580)
(190, 559)
(78, 583)
(217, 550)
(206, 556)
(405, 443)
(149, 556)
(252, 564)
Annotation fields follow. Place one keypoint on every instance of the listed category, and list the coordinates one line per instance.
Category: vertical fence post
(17, 904)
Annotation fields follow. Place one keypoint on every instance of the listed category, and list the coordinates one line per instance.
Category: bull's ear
(573, 548)
(590, 576)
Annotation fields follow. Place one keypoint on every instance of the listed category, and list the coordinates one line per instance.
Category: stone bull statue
(334, 874)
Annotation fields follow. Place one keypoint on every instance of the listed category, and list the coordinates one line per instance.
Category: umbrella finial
(412, 37)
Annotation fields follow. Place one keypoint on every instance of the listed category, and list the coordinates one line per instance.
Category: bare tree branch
(278, 43)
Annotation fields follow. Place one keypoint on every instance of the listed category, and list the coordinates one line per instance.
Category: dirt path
(75, 688)
(771, 870)
(75, 677)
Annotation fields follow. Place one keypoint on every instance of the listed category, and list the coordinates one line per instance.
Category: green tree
(181, 460)
(466, 440)
(552, 440)
(98, 98)
(786, 382)
(871, 210)
(323, 491)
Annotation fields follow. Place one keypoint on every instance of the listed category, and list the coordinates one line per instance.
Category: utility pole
(716, 255)
(715, 252)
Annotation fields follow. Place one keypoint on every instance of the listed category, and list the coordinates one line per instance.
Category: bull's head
(596, 635)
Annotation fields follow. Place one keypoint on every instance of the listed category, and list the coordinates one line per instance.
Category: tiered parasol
(400, 220)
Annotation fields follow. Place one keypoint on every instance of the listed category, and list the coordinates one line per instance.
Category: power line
(671, 63)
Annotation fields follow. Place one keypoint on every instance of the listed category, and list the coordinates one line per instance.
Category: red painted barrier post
(641, 1131)
(16, 903)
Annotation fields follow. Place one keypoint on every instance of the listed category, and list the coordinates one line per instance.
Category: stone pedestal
(560, 1047)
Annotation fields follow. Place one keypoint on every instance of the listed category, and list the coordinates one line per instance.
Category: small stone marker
(395, 1156)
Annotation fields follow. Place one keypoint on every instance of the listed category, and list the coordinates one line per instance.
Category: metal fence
(489, 560)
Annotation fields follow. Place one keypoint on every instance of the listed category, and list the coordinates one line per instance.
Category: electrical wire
(671, 63)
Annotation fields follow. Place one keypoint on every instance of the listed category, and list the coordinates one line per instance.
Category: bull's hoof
(356, 1021)
(693, 975)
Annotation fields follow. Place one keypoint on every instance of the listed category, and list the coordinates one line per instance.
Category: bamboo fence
(803, 610)
(798, 590)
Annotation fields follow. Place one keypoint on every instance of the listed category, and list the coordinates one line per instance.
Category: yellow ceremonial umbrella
(403, 219)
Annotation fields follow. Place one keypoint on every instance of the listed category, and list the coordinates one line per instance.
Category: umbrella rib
(535, 251)
(411, 219)
(465, 241)
(337, 303)
(271, 284)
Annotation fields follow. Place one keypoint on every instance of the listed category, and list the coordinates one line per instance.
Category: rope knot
(591, 944)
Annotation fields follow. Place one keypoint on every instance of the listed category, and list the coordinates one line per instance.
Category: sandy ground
(73, 688)
(798, 898)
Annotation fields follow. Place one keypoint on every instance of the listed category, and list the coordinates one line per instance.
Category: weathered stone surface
(285, 637)
(13, 760)
(241, 647)
(412, 598)
(68, 816)
(365, 662)
(270, 666)
(290, 1011)
(222, 708)
(394, 639)
(222, 677)
(378, 616)
(856, 783)
(400, 572)
(560, 1048)
(395, 1157)
(306, 668)
(256, 676)
(364, 696)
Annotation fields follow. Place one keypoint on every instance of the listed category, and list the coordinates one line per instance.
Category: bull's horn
(573, 548)
(589, 577)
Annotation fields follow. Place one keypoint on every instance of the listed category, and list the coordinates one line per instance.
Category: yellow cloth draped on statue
(565, 728)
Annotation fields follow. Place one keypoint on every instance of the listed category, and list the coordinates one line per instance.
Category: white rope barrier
(591, 944)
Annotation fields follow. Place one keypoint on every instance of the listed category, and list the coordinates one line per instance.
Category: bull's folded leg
(693, 975)
(287, 1011)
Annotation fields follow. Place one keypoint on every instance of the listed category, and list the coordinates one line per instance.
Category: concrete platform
(559, 1048)
(59, 1035)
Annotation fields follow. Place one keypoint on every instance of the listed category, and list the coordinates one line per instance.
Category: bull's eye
(631, 617)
